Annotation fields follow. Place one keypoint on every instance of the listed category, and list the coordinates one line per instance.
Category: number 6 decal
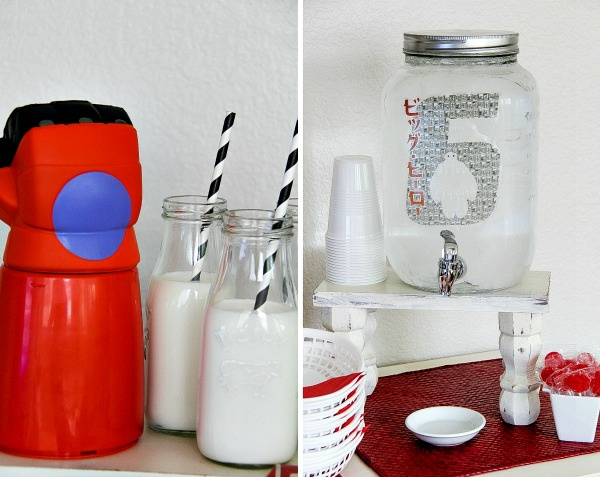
(453, 171)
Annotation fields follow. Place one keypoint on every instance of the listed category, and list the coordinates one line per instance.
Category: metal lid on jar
(461, 43)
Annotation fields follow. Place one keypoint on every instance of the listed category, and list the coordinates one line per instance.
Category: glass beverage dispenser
(460, 161)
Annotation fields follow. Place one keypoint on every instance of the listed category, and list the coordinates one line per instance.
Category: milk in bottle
(175, 310)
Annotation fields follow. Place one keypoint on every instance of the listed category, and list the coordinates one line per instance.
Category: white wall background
(176, 67)
(351, 48)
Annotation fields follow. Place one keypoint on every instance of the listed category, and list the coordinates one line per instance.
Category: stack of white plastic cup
(354, 239)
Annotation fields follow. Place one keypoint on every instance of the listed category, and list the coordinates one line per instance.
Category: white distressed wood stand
(350, 311)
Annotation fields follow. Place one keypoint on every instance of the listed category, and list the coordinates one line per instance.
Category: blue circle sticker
(90, 215)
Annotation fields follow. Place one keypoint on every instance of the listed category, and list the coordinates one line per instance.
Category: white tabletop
(587, 465)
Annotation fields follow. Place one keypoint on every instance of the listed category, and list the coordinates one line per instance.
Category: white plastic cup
(353, 205)
(356, 203)
(360, 245)
(355, 263)
(348, 278)
(358, 262)
(354, 226)
(353, 179)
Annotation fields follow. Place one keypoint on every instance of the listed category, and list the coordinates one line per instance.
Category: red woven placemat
(391, 450)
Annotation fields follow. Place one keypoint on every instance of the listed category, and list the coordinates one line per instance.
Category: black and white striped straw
(213, 190)
(280, 211)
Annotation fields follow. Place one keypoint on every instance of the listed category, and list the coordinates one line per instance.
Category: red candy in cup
(595, 386)
(554, 359)
(579, 375)
(577, 382)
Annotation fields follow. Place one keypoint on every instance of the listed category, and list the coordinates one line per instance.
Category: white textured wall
(175, 66)
(351, 48)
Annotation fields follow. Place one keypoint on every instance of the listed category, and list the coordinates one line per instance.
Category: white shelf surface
(155, 455)
(529, 296)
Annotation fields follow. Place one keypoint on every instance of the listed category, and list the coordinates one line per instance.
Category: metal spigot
(451, 267)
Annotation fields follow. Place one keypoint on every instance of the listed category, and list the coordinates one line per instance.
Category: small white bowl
(445, 425)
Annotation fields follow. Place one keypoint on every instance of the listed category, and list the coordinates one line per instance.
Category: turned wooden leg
(520, 346)
(357, 325)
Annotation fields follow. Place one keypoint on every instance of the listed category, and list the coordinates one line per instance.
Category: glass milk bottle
(292, 211)
(175, 309)
(248, 386)
(460, 162)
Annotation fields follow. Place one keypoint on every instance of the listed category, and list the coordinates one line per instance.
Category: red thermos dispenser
(71, 344)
